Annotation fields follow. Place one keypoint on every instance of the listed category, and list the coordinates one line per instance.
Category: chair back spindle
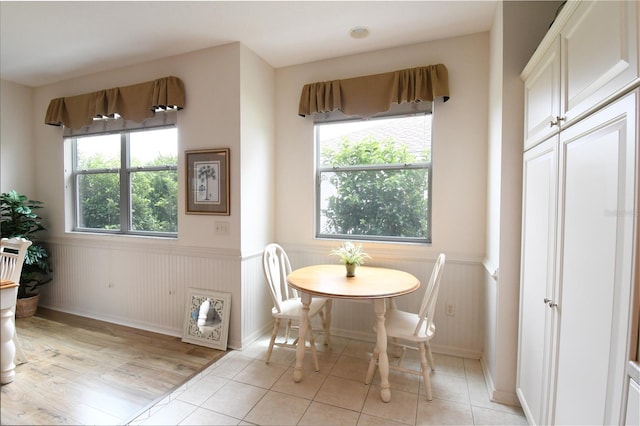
(428, 306)
(12, 254)
(276, 267)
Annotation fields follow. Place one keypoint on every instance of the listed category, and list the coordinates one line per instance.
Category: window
(373, 179)
(126, 182)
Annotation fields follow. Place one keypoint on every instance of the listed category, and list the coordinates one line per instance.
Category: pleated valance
(372, 94)
(137, 103)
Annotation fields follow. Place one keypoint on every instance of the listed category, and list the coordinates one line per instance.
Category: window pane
(395, 140)
(154, 148)
(99, 201)
(98, 152)
(385, 203)
(154, 201)
(127, 182)
(374, 178)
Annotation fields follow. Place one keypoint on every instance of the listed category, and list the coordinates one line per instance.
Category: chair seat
(401, 324)
(292, 308)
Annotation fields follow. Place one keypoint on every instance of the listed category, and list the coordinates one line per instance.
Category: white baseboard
(502, 397)
(115, 320)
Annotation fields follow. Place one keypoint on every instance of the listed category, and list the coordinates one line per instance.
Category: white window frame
(162, 120)
(395, 111)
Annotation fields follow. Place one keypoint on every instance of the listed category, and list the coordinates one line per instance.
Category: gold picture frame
(207, 181)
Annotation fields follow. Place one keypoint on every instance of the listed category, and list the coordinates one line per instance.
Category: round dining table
(369, 283)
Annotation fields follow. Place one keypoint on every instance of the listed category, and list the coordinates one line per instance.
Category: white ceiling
(50, 41)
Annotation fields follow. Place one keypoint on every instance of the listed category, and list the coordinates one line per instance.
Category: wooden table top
(369, 283)
(7, 284)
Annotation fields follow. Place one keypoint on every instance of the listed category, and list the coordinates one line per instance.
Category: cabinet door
(599, 45)
(537, 275)
(542, 98)
(596, 206)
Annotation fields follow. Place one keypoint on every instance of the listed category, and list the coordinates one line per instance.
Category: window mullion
(151, 168)
(374, 167)
(429, 201)
(124, 183)
(74, 182)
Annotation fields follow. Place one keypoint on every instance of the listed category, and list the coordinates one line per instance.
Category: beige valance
(136, 103)
(372, 94)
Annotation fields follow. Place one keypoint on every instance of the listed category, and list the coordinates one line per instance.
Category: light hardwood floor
(84, 371)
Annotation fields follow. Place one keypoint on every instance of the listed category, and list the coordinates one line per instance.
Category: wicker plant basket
(27, 307)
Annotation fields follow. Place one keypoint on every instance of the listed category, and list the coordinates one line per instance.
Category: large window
(127, 182)
(373, 179)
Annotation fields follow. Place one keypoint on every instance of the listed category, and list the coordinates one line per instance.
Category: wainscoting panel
(145, 285)
(459, 334)
(140, 285)
(256, 300)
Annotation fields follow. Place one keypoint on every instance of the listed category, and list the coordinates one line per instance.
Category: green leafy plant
(18, 218)
(351, 254)
(376, 202)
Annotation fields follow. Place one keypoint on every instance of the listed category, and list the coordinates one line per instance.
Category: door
(537, 275)
(597, 166)
(542, 98)
(599, 54)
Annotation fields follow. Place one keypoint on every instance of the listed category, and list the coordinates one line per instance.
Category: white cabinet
(576, 271)
(589, 57)
(579, 213)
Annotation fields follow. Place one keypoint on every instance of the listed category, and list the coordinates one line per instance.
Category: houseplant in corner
(18, 218)
(351, 255)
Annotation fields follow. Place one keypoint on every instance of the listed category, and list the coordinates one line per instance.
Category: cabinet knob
(557, 121)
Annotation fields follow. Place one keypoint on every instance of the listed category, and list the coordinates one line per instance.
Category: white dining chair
(415, 328)
(287, 305)
(12, 254)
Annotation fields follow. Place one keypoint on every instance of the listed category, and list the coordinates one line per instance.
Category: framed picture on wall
(208, 181)
(207, 318)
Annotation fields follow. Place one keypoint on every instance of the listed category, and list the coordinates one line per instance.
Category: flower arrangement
(350, 254)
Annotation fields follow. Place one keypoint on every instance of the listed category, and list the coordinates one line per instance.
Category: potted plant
(18, 218)
(351, 255)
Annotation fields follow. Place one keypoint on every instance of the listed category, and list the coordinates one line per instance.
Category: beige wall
(459, 145)
(494, 173)
(517, 29)
(236, 100)
(17, 170)
(211, 119)
(229, 104)
(257, 168)
(459, 185)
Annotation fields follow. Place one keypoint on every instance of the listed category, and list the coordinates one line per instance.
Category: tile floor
(240, 389)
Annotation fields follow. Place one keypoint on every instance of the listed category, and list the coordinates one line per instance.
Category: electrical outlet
(221, 228)
(450, 310)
